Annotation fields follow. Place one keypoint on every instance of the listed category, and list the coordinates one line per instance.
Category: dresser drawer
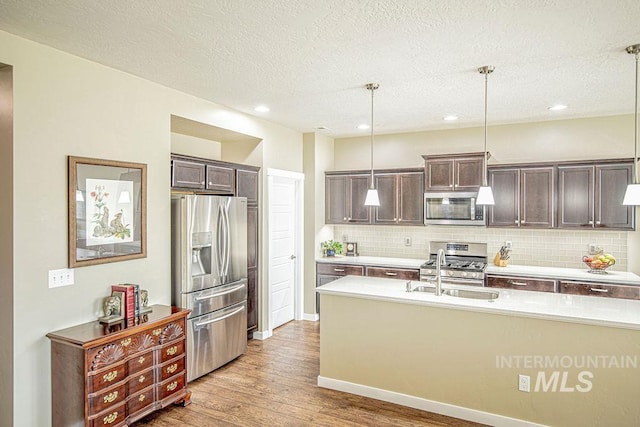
(600, 290)
(139, 400)
(172, 385)
(139, 363)
(111, 417)
(171, 351)
(106, 377)
(172, 368)
(522, 283)
(140, 381)
(340, 269)
(394, 273)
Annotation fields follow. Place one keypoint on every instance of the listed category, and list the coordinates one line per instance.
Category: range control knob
(464, 274)
(450, 273)
(474, 275)
(429, 271)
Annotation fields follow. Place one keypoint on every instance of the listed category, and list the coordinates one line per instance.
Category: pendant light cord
(486, 157)
(635, 141)
(372, 89)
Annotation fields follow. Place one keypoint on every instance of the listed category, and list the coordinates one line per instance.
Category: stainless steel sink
(429, 289)
(463, 293)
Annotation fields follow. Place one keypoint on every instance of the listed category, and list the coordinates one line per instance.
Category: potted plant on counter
(330, 247)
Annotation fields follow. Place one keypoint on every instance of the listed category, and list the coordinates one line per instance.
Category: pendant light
(372, 198)
(485, 195)
(632, 195)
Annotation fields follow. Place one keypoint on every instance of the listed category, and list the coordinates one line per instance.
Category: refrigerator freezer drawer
(213, 299)
(215, 339)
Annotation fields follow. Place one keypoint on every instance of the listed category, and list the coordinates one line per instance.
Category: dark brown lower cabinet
(326, 273)
(608, 290)
(521, 283)
(394, 273)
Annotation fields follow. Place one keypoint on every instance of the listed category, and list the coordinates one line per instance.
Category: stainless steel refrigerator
(209, 277)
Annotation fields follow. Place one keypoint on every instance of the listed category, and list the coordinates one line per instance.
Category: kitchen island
(463, 357)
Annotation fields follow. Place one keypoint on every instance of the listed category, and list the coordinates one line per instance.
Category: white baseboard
(311, 317)
(262, 335)
(424, 404)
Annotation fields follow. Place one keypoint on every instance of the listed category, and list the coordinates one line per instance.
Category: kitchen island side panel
(472, 360)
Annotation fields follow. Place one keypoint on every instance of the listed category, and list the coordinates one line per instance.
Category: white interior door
(282, 250)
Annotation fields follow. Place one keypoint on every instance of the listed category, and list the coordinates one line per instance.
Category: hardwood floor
(274, 384)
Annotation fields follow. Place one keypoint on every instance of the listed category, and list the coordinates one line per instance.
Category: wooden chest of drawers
(106, 377)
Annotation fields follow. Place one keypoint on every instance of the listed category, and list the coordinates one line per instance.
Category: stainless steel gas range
(464, 263)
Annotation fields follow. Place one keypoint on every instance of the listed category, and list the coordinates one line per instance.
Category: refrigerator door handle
(227, 238)
(219, 248)
(217, 294)
(218, 319)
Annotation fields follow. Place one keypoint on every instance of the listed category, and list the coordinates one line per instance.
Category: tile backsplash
(553, 248)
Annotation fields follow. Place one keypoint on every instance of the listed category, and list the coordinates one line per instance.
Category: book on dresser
(128, 306)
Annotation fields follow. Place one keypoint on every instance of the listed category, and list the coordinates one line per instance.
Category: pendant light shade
(632, 195)
(485, 195)
(372, 198)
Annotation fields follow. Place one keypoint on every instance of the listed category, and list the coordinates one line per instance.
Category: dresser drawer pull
(604, 291)
(141, 360)
(109, 419)
(172, 386)
(141, 398)
(388, 273)
(110, 376)
(512, 282)
(339, 270)
(172, 350)
(141, 379)
(157, 331)
(171, 369)
(125, 342)
(111, 397)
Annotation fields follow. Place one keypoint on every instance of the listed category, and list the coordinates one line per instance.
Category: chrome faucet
(441, 259)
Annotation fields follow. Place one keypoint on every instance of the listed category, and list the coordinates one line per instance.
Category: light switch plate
(62, 277)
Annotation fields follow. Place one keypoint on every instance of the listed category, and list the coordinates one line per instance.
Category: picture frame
(107, 202)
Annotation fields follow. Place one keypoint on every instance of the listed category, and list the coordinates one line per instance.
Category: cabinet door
(611, 184)
(468, 174)
(411, 198)
(220, 179)
(252, 237)
(521, 283)
(387, 212)
(187, 174)
(439, 175)
(599, 290)
(505, 184)
(252, 300)
(537, 197)
(335, 199)
(247, 186)
(357, 212)
(575, 196)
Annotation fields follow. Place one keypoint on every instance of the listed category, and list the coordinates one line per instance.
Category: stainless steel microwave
(453, 208)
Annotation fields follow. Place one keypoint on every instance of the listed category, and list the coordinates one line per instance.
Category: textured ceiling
(309, 60)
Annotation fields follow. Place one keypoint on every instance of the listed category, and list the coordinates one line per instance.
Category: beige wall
(318, 158)
(193, 146)
(6, 247)
(65, 105)
(449, 356)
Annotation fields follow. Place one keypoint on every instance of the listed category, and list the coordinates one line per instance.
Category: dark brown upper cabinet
(401, 195)
(186, 174)
(344, 199)
(590, 196)
(221, 179)
(453, 172)
(524, 197)
(247, 185)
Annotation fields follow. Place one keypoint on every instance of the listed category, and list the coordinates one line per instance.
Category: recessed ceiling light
(558, 107)
(262, 109)
(450, 118)
(363, 126)
(320, 127)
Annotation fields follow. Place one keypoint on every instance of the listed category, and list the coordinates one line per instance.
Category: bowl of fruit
(599, 263)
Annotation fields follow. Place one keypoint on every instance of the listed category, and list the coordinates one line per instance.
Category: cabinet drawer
(521, 283)
(172, 368)
(139, 400)
(140, 363)
(140, 381)
(394, 273)
(112, 417)
(171, 351)
(98, 402)
(107, 377)
(220, 179)
(600, 290)
(340, 269)
(172, 385)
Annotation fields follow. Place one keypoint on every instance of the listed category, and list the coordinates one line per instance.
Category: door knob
(293, 257)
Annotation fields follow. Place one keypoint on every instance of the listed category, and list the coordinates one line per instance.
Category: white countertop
(373, 260)
(612, 276)
(612, 312)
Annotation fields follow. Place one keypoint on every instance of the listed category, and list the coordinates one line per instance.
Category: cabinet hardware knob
(516, 221)
(109, 419)
(202, 182)
(603, 291)
(513, 282)
(389, 273)
(339, 270)
(126, 342)
(590, 222)
(172, 386)
(110, 376)
(344, 219)
(597, 222)
(522, 222)
(172, 350)
(111, 397)
(141, 379)
(141, 398)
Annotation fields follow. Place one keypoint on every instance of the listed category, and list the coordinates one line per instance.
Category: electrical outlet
(345, 237)
(508, 244)
(407, 241)
(593, 249)
(524, 383)
(62, 277)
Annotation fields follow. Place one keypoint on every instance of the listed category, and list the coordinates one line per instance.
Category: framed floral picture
(107, 211)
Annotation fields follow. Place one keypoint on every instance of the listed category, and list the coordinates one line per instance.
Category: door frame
(298, 289)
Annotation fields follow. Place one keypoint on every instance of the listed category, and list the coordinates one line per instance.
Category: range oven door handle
(218, 319)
